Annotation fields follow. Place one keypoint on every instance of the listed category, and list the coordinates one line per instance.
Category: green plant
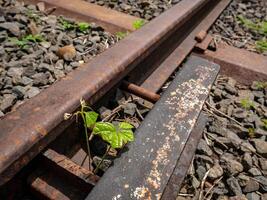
(83, 26)
(137, 24)
(248, 23)
(121, 35)
(24, 41)
(264, 123)
(115, 135)
(251, 132)
(68, 25)
(247, 104)
(261, 85)
(261, 45)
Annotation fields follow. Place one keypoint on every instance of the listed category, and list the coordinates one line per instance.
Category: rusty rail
(34, 125)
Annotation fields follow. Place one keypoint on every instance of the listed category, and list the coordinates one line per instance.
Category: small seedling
(248, 23)
(261, 85)
(68, 25)
(251, 132)
(115, 136)
(261, 45)
(121, 35)
(247, 104)
(24, 41)
(83, 26)
(137, 24)
(264, 124)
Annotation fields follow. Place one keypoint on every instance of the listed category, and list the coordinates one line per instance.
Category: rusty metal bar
(243, 65)
(113, 21)
(29, 129)
(169, 65)
(57, 177)
(144, 170)
(140, 92)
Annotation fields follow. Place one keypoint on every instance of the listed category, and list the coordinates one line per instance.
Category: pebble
(251, 186)
(261, 146)
(67, 52)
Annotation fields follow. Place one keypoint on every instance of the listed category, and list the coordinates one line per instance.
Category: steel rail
(28, 130)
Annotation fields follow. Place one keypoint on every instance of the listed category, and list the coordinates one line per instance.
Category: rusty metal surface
(140, 92)
(113, 21)
(29, 129)
(144, 170)
(173, 187)
(243, 65)
(47, 185)
(57, 177)
(169, 65)
(202, 46)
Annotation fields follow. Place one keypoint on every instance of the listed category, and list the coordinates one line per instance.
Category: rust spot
(36, 109)
(41, 130)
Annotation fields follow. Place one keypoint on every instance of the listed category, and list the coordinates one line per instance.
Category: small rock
(261, 146)
(215, 172)
(239, 114)
(1, 114)
(263, 163)
(233, 166)
(254, 171)
(33, 91)
(130, 109)
(204, 148)
(33, 28)
(104, 165)
(67, 52)
(201, 171)
(251, 186)
(247, 160)
(7, 102)
(253, 196)
(41, 6)
(234, 186)
(19, 91)
(230, 89)
(12, 27)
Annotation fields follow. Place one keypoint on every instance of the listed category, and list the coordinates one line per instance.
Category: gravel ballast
(139, 8)
(229, 28)
(38, 49)
(231, 158)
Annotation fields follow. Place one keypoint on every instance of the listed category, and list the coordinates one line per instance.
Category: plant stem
(86, 137)
(99, 164)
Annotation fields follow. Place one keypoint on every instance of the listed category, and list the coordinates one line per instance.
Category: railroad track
(38, 145)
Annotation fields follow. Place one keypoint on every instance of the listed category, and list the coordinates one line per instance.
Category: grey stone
(253, 196)
(204, 148)
(251, 186)
(233, 166)
(33, 91)
(261, 146)
(247, 160)
(7, 102)
(130, 109)
(239, 114)
(215, 172)
(201, 172)
(230, 89)
(254, 171)
(263, 163)
(15, 71)
(234, 186)
(19, 91)
(40, 79)
(12, 27)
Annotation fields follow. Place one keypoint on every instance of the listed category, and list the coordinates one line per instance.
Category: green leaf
(121, 35)
(83, 26)
(137, 24)
(125, 125)
(116, 137)
(90, 118)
